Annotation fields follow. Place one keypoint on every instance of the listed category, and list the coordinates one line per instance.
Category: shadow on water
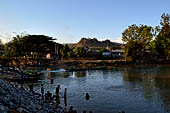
(155, 82)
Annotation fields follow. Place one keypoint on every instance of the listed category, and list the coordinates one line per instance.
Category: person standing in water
(42, 91)
(57, 94)
(65, 97)
(31, 88)
(57, 90)
(52, 81)
(87, 96)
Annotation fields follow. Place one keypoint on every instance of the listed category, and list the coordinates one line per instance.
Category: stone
(22, 110)
(16, 100)
(12, 105)
(3, 109)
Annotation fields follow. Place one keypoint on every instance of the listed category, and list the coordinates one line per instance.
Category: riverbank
(108, 64)
(82, 63)
(17, 100)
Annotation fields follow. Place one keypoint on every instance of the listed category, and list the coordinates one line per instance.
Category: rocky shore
(18, 100)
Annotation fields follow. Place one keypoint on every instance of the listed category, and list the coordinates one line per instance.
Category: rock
(3, 109)
(16, 100)
(22, 110)
(41, 111)
(12, 105)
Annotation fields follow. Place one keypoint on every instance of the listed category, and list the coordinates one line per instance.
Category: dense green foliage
(137, 40)
(147, 42)
(1, 45)
(80, 52)
(1, 48)
(65, 52)
(28, 45)
(163, 38)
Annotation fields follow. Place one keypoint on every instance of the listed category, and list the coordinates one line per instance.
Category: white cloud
(118, 40)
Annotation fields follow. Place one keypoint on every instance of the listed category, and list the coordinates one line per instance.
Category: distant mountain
(94, 43)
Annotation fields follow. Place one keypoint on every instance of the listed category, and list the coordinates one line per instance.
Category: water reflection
(50, 75)
(80, 74)
(154, 81)
(133, 89)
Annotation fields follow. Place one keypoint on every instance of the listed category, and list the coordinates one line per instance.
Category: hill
(94, 43)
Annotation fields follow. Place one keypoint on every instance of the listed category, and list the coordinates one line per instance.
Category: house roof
(118, 50)
(106, 53)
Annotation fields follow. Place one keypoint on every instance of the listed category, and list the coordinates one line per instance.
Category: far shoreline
(86, 64)
(108, 64)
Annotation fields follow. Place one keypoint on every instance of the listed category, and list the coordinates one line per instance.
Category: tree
(65, 51)
(30, 44)
(13, 48)
(137, 39)
(1, 47)
(81, 52)
(163, 38)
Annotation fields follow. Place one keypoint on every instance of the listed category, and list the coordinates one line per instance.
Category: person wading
(65, 97)
(42, 91)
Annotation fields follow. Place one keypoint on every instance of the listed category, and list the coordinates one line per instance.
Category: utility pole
(55, 49)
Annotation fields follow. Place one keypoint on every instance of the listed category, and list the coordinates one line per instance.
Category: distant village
(99, 49)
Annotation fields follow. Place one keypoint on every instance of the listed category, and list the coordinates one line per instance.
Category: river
(136, 89)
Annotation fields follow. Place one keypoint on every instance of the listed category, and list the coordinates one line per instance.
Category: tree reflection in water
(155, 82)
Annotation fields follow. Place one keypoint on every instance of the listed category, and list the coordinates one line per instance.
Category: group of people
(48, 96)
(71, 110)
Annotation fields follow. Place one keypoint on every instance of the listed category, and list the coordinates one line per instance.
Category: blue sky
(70, 20)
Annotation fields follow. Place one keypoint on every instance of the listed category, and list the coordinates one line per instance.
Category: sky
(70, 20)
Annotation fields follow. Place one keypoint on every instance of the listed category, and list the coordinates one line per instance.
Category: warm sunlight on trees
(140, 40)
(163, 38)
(80, 52)
(137, 38)
(65, 51)
(29, 44)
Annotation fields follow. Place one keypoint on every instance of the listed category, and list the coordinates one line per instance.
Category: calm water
(142, 89)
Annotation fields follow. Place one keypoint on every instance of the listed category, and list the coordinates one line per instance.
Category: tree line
(140, 42)
(29, 45)
(146, 42)
(38, 46)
